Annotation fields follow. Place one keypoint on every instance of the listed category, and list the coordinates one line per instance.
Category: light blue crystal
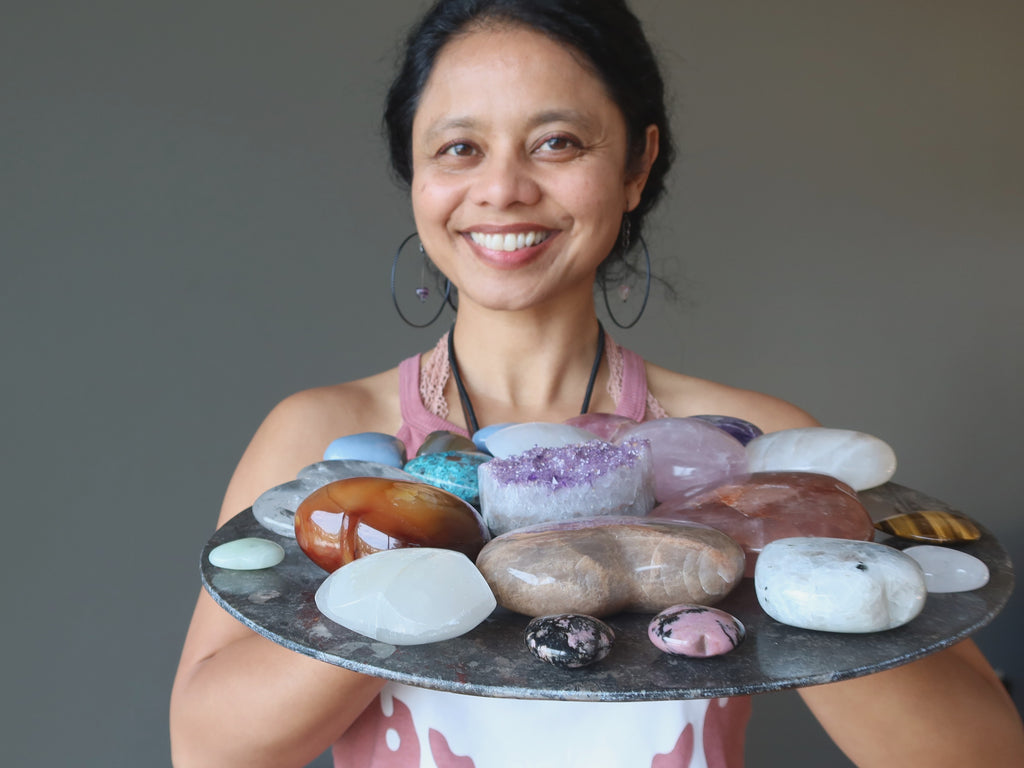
(368, 446)
(250, 554)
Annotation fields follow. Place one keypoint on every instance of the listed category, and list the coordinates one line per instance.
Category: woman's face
(520, 175)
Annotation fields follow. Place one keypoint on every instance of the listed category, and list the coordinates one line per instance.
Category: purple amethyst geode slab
(601, 566)
(564, 483)
(761, 507)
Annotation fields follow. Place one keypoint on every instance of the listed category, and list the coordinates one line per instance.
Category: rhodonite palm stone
(688, 453)
(569, 640)
(695, 630)
(601, 566)
(563, 483)
(347, 519)
(761, 507)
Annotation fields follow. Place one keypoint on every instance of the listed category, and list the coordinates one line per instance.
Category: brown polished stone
(761, 507)
(931, 525)
(602, 566)
(346, 519)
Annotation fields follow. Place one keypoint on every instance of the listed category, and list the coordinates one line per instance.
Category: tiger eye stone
(347, 519)
(931, 525)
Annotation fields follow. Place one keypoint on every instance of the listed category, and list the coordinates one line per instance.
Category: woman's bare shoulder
(683, 395)
(298, 429)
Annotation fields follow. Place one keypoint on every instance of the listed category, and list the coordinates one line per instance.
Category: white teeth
(509, 242)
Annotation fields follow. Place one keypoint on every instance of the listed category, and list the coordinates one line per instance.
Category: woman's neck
(525, 367)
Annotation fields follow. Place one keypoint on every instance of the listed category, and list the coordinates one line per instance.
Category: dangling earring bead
(624, 290)
(422, 292)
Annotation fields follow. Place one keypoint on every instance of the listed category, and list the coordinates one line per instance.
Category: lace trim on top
(434, 378)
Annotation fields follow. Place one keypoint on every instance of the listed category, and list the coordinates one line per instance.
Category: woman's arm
(238, 698)
(948, 709)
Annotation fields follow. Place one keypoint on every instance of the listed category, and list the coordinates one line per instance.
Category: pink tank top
(627, 386)
(411, 727)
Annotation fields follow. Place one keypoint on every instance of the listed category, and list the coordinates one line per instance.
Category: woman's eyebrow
(460, 123)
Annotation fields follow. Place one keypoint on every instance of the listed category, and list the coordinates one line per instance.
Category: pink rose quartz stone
(761, 507)
(695, 630)
(607, 426)
(601, 566)
(688, 453)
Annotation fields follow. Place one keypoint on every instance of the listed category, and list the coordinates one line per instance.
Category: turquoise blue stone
(481, 435)
(368, 446)
(443, 441)
(452, 471)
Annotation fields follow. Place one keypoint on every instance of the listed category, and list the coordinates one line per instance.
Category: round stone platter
(492, 660)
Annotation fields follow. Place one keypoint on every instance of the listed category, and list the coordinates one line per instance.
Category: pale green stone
(247, 554)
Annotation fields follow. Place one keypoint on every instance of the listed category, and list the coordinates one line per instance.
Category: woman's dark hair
(605, 32)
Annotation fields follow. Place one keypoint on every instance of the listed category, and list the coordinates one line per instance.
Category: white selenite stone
(838, 585)
(250, 554)
(949, 570)
(518, 438)
(407, 596)
(858, 459)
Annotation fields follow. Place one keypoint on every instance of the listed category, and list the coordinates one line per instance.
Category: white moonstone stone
(247, 554)
(858, 459)
(838, 585)
(949, 570)
(407, 596)
(535, 434)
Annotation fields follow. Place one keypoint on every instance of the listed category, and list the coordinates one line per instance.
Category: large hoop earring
(625, 293)
(422, 292)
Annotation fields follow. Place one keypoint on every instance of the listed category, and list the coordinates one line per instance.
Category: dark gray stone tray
(492, 660)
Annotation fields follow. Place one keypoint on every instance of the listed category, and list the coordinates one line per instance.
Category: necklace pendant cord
(467, 404)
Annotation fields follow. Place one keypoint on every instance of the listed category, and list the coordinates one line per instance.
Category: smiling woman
(534, 139)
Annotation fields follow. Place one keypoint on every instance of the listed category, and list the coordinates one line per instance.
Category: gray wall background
(196, 220)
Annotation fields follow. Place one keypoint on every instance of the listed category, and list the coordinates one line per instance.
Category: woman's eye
(558, 143)
(458, 149)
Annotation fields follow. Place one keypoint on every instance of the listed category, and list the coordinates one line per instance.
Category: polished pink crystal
(761, 507)
(687, 453)
(604, 425)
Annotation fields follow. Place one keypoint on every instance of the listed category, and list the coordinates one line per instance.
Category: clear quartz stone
(949, 570)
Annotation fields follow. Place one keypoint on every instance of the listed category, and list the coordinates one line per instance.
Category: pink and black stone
(569, 640)
(695, 630)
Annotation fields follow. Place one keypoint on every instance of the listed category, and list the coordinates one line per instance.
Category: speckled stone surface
(491, 660)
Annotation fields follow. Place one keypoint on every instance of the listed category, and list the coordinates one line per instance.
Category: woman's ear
(637, 176)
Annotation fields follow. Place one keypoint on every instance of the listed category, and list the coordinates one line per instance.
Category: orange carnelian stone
(347, 519)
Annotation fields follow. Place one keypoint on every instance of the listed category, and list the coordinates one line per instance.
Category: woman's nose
(504, 179)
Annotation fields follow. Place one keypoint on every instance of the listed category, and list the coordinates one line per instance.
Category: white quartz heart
(407, 596)
(949, 570)
(518, 438)
(858, 459)
(838, 585)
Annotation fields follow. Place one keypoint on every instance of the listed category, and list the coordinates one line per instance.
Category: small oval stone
(836, 585)
(452, 471)
(250, 554)
(858, 459)
(696, 631)
(932, 525)
(949, 570)
(368, 446)
(741, 429)
(569, 640)
(443, 441)
(519, 438)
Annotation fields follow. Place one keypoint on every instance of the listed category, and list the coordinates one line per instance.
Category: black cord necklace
(467, 405)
